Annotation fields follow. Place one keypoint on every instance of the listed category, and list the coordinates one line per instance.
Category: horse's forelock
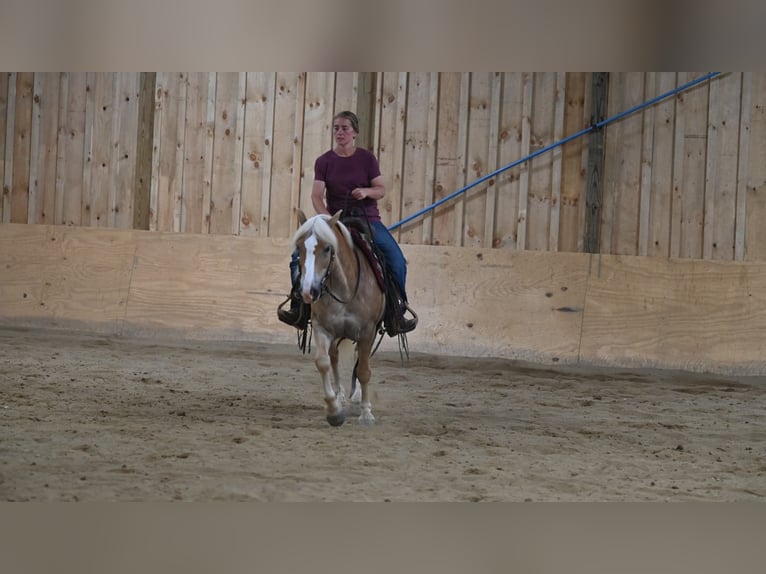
(319, 225)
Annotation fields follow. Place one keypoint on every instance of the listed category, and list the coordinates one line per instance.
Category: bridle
(325, 288)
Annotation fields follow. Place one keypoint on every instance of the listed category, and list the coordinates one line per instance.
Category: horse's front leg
(337, 385)
(363, 374)
(333, 405)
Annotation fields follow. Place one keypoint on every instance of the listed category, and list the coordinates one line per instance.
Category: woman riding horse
(348, 178)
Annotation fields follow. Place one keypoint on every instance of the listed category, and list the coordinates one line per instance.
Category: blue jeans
(387, 246)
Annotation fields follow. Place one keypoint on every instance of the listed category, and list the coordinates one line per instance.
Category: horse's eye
(327, 249)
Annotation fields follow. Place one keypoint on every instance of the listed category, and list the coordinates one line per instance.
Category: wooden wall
(552, 308)
(233, 153)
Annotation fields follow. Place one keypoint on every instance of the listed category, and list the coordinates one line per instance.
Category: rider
(348, 178)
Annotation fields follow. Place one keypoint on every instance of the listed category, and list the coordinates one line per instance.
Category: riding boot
(298, 314)
(406, 325)
(400, 324)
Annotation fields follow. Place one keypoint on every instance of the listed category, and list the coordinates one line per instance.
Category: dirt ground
(93, 418)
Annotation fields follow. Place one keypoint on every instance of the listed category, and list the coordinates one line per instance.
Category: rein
(326, 278)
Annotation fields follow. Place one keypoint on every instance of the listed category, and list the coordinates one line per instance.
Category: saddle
(361, 233)
(362, 236)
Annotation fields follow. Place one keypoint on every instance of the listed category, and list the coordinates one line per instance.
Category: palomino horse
(346, 303)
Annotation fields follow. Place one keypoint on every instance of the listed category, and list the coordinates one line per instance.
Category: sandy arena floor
(101, 419)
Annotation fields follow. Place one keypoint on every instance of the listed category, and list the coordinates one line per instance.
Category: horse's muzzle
(311, 295)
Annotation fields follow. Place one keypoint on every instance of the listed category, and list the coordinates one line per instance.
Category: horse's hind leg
(364, 373)
(333, 405)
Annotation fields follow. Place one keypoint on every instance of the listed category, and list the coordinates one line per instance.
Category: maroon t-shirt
(342, 175)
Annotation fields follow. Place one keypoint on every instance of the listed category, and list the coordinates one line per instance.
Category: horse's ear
(335, 218)
(301, 217)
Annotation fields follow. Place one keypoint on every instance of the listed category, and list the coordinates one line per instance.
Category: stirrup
(297, 317)
(407, 325)
(402, 326)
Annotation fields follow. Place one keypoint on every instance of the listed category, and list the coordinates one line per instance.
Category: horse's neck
(347, 265)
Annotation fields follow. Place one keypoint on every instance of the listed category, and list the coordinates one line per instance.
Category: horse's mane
(319, 225)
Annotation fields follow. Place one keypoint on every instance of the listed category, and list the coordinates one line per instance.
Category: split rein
(326, 278)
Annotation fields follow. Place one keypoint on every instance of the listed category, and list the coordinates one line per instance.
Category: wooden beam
(594, 191)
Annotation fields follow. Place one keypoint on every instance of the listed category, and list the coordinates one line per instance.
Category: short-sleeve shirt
(342, 175)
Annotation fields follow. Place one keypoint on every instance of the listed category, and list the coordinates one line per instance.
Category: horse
(347, 303)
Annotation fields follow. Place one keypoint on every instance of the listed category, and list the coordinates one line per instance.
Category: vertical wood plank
(623, 166)
(196, 134)
(594, 195)
(541, 134)
(159, 115)
(447, 170)
(478, 159)
(721, 166)
(49, 127)
(207, 191)
(145, 140)
(169, 139)
(256, 165)
(711, 169)
(22, 147)
(4, 188)
(283, 158)
(113, 143)
(317, 132)
(430, 180)
(268, 156)
(524, 172)
(490, 206)
(584, 163)
(397, 190)
(573, 154)
(743, 157)
(393, 107)
(462, 158)
(416, 154)
(678, 170)
(87, 165)
(645, 175)
(35, 200)
(755, 230)
(227, 155)
(102, 150)
(61, 138)
(239, 154)
(557, 161)
(509, 150)
(296, 168)
(366, 91)
(692, 112)
(126, 146)
(72, 150)
(662, 154)
(345, 95)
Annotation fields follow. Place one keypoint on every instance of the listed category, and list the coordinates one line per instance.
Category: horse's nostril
(314, 293)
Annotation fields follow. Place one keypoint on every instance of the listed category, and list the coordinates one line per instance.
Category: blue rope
(592, 127)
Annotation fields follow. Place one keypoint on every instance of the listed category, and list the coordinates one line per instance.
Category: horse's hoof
(367, 420)
(337, 420)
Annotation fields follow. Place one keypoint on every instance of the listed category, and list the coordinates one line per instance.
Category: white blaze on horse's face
(309, 268)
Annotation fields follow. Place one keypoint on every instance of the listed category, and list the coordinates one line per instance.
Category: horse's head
(318, 242)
